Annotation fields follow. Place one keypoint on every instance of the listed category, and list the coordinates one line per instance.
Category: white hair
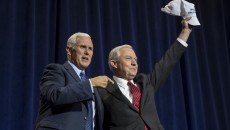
(115, 54)
(75, 37)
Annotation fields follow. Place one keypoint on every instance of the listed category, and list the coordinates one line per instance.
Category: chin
(84, 66)
(131, 77)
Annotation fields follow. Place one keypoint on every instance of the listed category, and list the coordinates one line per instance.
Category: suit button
(85, 118)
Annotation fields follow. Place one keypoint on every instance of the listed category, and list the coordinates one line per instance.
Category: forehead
(85, 41)
(127, 52)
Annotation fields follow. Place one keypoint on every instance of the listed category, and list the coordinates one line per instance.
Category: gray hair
(75, 37)
(115, 54)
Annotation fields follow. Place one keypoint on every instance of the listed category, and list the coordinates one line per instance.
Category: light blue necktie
(83, 76)
(89, 122)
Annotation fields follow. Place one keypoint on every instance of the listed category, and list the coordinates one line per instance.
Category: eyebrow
(85, 46)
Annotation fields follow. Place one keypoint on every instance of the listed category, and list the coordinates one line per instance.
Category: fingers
(101, 81)
(187, 18)
(110, 80)
(184, 22)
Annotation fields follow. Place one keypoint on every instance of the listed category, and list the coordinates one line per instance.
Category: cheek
(78, 57)
(73, 56)
(91, 53)
(90, 56)
(79, 54)
(125, 68)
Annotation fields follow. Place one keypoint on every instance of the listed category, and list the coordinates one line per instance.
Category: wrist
(185, 32)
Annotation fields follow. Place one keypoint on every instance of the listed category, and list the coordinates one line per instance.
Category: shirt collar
(122, 82)
(78, 71)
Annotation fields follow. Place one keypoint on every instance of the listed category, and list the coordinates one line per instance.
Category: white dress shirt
(122, 84)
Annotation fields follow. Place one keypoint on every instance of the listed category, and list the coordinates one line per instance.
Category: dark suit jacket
(63, 100)
(120, 114)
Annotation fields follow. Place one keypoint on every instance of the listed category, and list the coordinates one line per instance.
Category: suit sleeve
(166, 64)
(58, 88)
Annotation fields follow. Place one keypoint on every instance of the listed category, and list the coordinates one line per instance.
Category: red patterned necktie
(136, 96)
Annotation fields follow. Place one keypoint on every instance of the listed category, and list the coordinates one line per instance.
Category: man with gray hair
(128, 103)
(68, 100)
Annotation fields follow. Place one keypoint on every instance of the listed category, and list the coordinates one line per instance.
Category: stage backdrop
(34, 33)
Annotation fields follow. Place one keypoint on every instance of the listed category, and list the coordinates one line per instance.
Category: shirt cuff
(182, 42)
(91, 86)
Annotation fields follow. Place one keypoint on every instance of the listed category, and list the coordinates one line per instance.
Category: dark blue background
(34, 33)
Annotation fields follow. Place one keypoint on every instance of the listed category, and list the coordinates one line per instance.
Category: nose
(87, 51)
(134, 62)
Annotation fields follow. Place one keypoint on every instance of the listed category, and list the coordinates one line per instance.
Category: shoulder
(140, 77)
(110, 88)
(56, 65)
(53, 66)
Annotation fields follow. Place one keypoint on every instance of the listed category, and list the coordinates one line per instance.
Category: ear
(113, 63)
(68, 50)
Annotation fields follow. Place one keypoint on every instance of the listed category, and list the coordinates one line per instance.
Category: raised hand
(186, 29)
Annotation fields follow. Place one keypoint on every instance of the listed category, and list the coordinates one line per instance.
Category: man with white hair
(128, 103)
(68, 100)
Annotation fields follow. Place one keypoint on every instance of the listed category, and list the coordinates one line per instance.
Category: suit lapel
(115, 91)
(99, 106)
(97, 98)
(140, 82)
(69, 69)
